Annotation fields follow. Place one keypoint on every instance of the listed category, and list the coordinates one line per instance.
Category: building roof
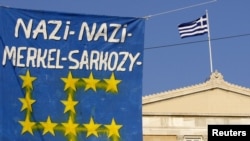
(214, 97)
(215, 81)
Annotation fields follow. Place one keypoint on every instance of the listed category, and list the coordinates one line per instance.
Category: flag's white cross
(201, 21)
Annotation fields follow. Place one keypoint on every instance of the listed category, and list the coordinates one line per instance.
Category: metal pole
(209, 44)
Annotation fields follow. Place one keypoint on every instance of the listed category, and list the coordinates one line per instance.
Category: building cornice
(196, 114)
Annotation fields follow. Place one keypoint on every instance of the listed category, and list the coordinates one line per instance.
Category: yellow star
(69, 82)
(70, 127)
(27, 102)
(27, 80)
(69, 104)
(48, 126)
(92, 127)
(91, 82)
(113, 128)
(27, 125)
(112, 83)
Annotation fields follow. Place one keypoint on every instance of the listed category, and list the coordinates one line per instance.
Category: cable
(221, 38)
(179, 9)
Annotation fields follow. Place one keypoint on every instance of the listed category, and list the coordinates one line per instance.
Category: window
(193, 138)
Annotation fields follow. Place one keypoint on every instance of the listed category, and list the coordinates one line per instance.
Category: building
(184, 114)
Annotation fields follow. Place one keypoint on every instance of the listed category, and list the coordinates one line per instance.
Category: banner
(70, 77)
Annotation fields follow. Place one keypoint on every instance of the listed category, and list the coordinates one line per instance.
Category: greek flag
(194, 28)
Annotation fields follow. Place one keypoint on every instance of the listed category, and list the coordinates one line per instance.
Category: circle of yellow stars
(70, 128)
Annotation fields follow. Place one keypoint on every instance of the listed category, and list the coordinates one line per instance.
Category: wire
(221, 38)
(179, 9)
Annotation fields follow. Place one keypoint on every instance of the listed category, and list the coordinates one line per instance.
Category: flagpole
(209, 44)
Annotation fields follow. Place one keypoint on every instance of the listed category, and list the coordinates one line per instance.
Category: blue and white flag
(70, 77)
(194, 28)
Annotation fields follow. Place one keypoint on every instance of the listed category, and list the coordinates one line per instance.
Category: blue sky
(168, 65)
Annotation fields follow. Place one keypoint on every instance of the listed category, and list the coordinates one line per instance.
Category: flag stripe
(187, 25)
(193, 29)
(194, 33)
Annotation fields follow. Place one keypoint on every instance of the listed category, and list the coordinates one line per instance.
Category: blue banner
(70, 77)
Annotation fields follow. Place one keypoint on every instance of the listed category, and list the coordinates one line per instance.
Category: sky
(171, 62)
